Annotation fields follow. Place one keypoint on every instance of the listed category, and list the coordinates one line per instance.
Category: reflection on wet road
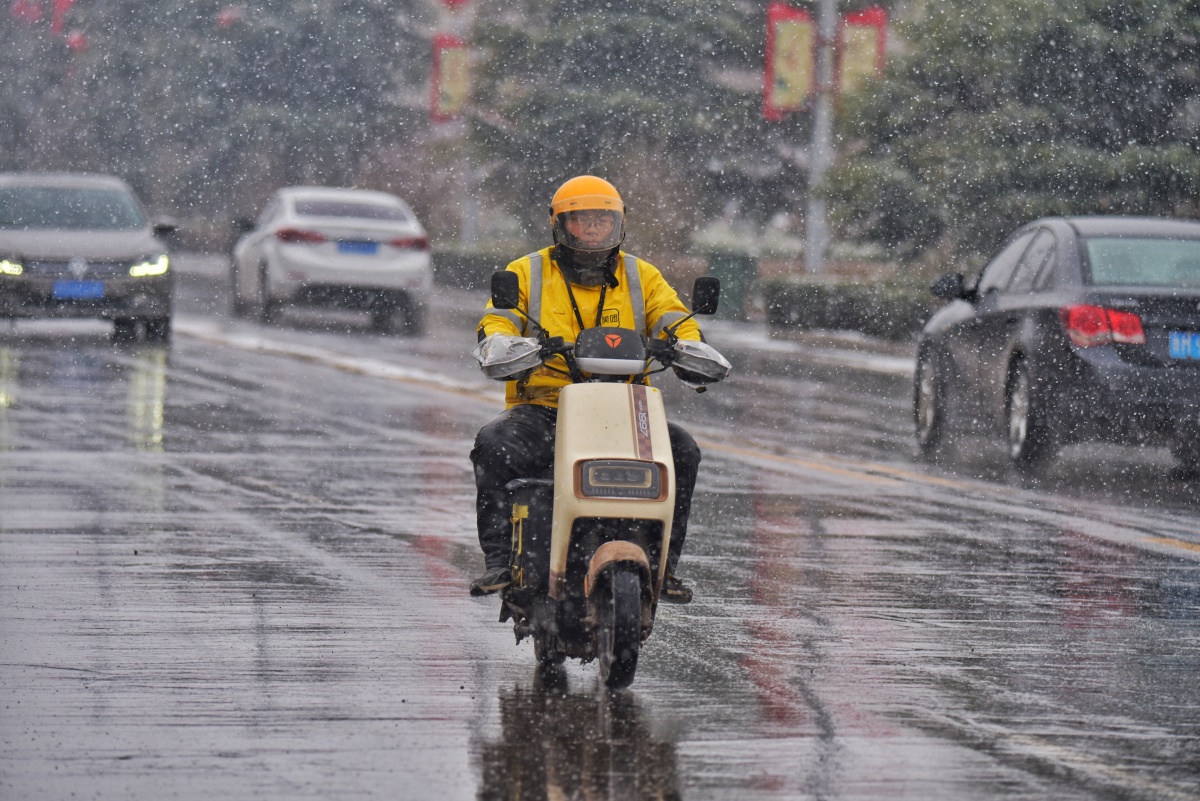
(557, 743)
(236, 567)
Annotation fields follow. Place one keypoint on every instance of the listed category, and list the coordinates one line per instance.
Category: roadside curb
(846, 340)
(837, 349)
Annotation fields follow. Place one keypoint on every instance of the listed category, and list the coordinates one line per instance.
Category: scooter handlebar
(661, 350)
(554, 346)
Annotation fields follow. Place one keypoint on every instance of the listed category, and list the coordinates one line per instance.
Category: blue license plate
(78, 290)
(1185, 345)
(360, 248)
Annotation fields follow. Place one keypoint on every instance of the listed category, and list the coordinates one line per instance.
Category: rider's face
(590, 227)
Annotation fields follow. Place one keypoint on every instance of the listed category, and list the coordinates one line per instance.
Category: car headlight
(157, 266)
(11, 267)
(620, 478)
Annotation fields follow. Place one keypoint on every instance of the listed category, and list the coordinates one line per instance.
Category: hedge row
(887, 310)
(890, 311)
(465, 269)
(472, 269)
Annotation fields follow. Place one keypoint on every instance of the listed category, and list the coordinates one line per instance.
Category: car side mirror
(165, 225)
(949, 287)
(706, 295)
(506, 290)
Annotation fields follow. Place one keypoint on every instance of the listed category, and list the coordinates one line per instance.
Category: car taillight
(294, 236)
(1095, 325)
(1126, 327)
(411, 243)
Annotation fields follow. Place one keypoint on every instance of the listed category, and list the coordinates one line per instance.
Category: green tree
(998, 114)
(660, 97)
(209, 113)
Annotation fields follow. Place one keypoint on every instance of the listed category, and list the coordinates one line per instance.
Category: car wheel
(124, 329)
(266, 304)
(1186, 451)
(158, 329)
(383, 315)
(236, 305)
(1029, 438)
(413, 324)
(929, 403)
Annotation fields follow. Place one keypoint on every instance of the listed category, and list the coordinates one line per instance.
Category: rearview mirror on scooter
(506, 290)
(706, 293)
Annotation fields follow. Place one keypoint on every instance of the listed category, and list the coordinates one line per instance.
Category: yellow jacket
(642, 301)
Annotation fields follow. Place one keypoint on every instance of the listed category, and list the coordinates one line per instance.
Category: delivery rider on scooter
(583, 280)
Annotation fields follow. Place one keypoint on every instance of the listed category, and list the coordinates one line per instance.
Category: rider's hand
(660, 349)
(552, 346)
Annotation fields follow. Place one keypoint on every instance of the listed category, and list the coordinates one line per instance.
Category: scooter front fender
(613, 552)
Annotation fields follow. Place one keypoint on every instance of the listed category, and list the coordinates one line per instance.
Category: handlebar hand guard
(698, 363)
(507, 358)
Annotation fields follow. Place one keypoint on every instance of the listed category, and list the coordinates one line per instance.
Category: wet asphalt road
(236, 568)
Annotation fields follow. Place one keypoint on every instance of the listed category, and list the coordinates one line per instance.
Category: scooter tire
(545, 649)
(620, 633)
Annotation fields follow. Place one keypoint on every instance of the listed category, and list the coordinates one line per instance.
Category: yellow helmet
(587, 193)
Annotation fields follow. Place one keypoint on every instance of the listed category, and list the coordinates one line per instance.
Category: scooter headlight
(620, 478)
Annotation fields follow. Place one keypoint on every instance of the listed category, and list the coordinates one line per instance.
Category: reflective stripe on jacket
(642, 300)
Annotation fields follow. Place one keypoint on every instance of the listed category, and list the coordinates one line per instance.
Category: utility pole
(455, 23)
(816, 222)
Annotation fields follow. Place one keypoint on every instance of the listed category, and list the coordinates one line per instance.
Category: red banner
(450, 85)
(28, 10)
(31, 11)
(789, 78)
(862, 38)
(60, 12)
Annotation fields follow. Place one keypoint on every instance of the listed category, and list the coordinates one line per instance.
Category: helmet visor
(590, 230)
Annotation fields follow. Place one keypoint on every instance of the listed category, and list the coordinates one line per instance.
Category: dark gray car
(82, 246)
(1079, 328)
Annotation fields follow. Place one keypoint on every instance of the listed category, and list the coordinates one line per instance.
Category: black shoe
(494, 580)
(674, 591)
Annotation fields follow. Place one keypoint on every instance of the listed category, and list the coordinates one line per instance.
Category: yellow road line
(808, 464)
(1171, 542)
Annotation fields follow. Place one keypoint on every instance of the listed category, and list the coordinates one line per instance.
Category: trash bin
(737, 272)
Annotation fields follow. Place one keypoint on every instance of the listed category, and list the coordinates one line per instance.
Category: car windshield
(1144, 262)
(350, 208)
(67, 208)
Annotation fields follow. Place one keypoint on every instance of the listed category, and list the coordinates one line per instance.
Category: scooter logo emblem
(641, 423)
(612, 339)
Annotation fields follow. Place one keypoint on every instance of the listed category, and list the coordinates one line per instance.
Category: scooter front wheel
(620, 631)
(545, 648)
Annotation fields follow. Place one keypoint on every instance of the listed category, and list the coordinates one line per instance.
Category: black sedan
(1080, 328)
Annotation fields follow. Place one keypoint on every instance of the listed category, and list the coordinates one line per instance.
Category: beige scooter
(589, 545)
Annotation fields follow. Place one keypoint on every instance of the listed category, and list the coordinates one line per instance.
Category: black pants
(520, 444)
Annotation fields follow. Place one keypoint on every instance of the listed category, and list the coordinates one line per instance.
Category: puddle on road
(557, 743)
